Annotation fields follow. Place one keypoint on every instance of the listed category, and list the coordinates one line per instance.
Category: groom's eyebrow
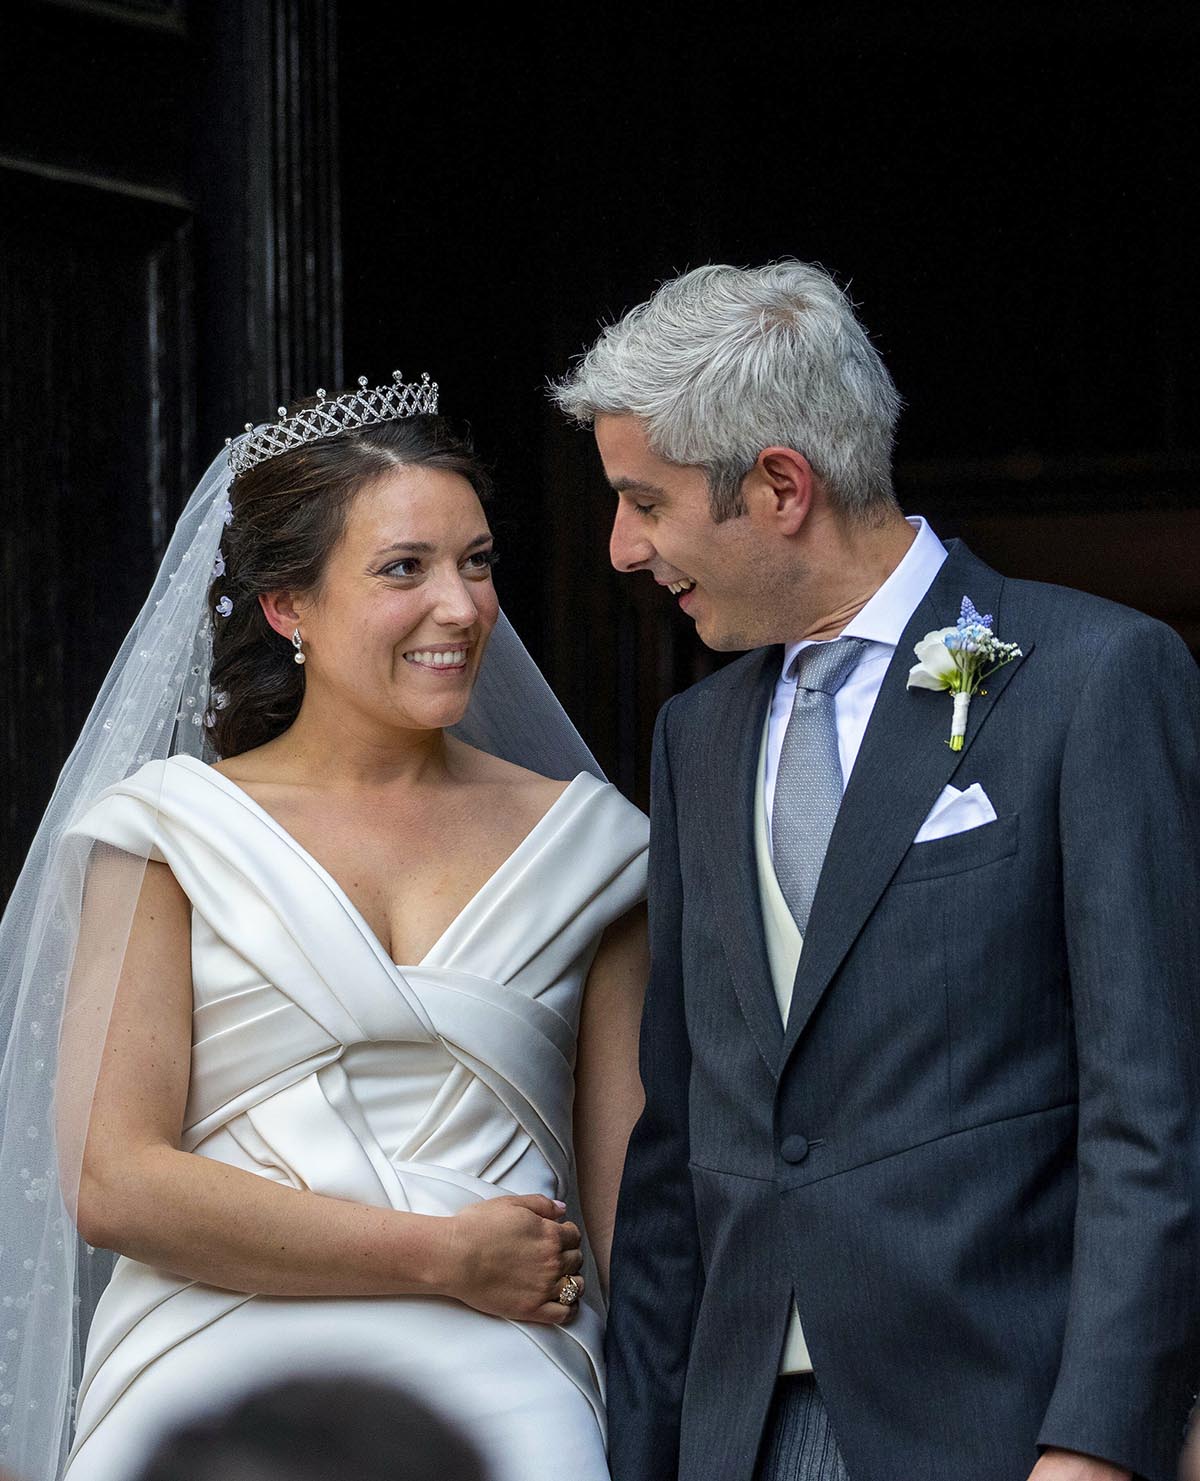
(636, 486)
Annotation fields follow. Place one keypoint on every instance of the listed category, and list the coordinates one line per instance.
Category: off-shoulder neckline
(527, 845)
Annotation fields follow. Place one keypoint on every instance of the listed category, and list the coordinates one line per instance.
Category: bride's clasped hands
(506, 1253)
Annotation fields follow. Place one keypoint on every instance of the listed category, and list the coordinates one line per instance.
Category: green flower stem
(999, 665)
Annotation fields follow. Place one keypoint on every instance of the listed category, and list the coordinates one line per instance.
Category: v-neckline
(219, 779)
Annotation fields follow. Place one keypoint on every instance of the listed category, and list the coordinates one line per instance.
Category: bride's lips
(439, 658)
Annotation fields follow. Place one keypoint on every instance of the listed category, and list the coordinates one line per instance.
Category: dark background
(208, 208)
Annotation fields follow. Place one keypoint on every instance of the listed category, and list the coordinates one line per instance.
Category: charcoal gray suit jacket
(972, 1155)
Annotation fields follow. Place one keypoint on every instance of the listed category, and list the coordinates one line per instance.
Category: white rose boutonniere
(959, 659)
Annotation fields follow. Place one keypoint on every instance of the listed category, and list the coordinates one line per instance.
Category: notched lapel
(902, 766)
(729, 761)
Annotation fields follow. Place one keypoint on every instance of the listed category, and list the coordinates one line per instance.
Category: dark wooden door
(168, 269)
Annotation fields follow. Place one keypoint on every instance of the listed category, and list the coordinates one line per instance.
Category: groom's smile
(718, 570)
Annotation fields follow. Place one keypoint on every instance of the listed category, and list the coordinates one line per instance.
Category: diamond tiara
(330, 417)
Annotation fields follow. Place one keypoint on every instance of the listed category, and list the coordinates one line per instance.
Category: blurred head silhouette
(1189, 1466)
(317, 1429)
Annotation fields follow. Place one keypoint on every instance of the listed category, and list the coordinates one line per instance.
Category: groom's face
(719, 573)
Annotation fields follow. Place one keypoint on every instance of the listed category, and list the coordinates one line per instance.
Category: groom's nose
(628, 547)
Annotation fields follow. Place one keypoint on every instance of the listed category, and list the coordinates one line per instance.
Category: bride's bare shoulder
(229, 769)
(478, 768)
(258, 765)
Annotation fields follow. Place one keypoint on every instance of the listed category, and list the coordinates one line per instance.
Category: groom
(913, 1197)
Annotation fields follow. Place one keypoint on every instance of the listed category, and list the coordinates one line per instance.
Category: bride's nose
(454, 601)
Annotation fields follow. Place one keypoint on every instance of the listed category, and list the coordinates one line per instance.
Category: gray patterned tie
(808, 784)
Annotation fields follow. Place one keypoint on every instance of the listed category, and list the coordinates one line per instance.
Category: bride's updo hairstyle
(289, 513)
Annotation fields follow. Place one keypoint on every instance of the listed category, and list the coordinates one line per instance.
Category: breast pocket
(961, 852)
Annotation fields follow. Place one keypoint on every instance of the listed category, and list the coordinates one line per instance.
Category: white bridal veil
(57, 981)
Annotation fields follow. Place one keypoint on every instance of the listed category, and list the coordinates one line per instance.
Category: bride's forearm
(207, 1221)
(608, 1092)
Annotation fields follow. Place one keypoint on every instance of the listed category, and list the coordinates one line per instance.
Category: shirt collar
(884, 618)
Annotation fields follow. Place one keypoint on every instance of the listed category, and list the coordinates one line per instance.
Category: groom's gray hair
(726, 361)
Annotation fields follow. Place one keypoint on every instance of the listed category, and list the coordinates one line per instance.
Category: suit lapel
(732, 733)
(902, 766)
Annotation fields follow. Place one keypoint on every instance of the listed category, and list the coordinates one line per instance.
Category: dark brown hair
(318, 1429)
(288, 515)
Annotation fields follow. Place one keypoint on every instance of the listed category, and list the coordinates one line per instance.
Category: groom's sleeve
(656, 1268)
(1129, 813)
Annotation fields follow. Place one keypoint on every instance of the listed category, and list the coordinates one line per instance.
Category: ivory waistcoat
(784, 942)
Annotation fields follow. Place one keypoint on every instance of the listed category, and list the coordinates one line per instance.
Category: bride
(351, 984)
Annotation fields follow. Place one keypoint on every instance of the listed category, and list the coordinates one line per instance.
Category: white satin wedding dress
(321, 1064)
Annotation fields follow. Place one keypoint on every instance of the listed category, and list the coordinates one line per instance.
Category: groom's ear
(778, 490)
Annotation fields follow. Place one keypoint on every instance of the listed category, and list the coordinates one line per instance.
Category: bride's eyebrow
(410, 547)
(423, 547)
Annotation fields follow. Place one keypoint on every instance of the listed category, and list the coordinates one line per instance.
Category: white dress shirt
(880, 623)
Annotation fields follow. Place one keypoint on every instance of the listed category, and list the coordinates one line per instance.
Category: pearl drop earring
(297, 644)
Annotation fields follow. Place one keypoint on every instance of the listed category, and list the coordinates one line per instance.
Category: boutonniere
(959, 659)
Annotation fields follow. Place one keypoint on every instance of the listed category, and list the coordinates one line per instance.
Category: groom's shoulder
(1077, 625)
(731, 683)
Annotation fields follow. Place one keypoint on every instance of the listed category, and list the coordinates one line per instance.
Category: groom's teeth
(451, 659)
(677, 586)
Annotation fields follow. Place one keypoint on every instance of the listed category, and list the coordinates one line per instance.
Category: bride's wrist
(431, 1259)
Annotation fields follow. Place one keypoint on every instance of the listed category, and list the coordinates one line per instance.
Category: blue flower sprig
(959, 659)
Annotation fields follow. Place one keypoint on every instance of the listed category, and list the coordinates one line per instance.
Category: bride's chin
(430, 712)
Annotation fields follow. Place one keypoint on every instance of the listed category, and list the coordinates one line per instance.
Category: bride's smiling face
(397, 628)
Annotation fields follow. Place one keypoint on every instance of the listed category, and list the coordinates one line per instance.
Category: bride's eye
(482, 560)
(409, 566)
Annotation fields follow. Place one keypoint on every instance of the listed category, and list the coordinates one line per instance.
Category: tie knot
(825, 667)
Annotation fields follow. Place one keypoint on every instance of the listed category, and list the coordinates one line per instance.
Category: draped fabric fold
(321, 1064)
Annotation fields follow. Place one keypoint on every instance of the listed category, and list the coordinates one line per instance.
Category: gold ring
(569, 1293)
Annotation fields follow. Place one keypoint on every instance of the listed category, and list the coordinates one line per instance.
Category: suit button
(793, 1148)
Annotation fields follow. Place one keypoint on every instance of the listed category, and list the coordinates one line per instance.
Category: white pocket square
(955, 812)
